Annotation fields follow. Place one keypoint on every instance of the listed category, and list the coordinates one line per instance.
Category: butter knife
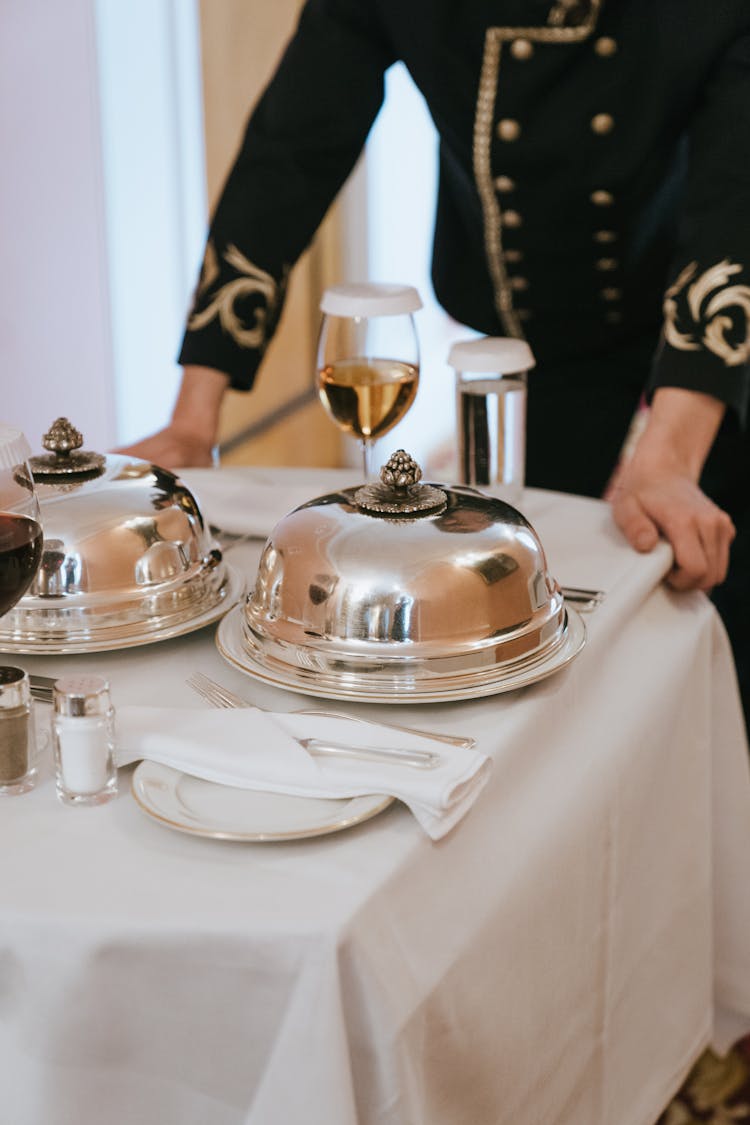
(419, 759)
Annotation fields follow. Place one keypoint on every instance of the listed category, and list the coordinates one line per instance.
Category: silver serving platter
(156, 629)
(127, 559)
(233, 647)
(402, 590)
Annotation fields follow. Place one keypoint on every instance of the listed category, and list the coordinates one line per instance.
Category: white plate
(223, 812)
(233, 589)
(230, 642)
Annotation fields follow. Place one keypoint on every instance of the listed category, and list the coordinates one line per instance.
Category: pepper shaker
(18, 767)
(84, 740)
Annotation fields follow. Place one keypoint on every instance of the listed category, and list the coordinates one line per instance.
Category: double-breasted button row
(523, 49)
(607, 264)
(504, 184)
(605, 46)
(509, 130)
(602, 124)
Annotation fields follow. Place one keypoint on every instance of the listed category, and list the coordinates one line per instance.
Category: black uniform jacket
(594, 186)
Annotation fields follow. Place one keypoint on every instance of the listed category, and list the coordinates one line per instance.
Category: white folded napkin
(234, 501)
(255, 749)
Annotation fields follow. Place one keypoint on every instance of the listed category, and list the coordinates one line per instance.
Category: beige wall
(55, 340)
(241, 43)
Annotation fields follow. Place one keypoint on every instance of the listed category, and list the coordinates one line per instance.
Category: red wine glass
(20, 522)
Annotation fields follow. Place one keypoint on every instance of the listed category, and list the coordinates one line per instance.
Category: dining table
(561, 956)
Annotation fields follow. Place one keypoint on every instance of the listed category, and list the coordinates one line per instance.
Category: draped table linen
(561, 956)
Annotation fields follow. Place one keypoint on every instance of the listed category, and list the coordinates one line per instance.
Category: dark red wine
(20, 555)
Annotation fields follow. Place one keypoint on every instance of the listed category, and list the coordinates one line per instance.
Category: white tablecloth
(558, 959)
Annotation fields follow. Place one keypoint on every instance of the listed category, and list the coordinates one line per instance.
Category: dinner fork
(220, 696)
(203, 684)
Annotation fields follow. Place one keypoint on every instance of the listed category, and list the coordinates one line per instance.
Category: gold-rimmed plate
(224, 812)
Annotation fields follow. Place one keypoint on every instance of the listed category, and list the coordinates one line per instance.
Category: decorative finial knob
(64, 460)
(400, 470)
(400, 493)
(62, 437)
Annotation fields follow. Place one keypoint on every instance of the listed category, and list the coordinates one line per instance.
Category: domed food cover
(127, 556)
(400, 588)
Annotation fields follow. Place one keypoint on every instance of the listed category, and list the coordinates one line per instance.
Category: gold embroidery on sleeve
(708, 301)
(485, 110)
(222, 304)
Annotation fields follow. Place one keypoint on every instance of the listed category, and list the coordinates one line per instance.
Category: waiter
(594, 198)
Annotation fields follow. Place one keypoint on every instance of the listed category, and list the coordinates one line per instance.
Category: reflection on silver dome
(454, 593)
(126, 555)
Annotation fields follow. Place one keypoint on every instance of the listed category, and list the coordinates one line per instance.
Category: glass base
(20, 785)
(100, 797)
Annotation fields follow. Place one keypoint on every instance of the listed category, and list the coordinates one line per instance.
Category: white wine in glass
(368, 359)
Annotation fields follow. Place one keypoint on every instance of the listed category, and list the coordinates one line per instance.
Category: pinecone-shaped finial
(400, 470)
(399, 492)
(62, 437)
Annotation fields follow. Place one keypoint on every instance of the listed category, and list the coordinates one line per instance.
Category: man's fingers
(701, 546)
(699, 532)
(638, 528)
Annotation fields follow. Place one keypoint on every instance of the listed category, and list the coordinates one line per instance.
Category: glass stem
(367, 449)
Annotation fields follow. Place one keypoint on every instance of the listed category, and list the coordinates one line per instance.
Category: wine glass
(368, 359)
(20, 522)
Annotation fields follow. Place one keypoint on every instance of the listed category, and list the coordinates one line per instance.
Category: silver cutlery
(227, 539)
(419, 759)
(581, 598)
(220, 696)
(41, 687)
(463, 741)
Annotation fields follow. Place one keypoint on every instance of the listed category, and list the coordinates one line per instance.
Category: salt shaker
(83, 734)
(491, 413)
(18, 768)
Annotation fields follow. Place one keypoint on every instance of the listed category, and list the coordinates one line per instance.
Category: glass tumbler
(491, 413)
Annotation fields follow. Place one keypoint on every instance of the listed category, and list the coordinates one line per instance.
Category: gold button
(604, 237)
(606, 264)
(522, 49)
(512, 219)
(605, 47)
(602, 124)
(611, 294)
(513, 256)
(519, 284)
(602, 198)
(504, 184)
(508, 129)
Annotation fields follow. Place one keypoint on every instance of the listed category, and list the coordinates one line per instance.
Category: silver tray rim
(229, 637)
(234, 588)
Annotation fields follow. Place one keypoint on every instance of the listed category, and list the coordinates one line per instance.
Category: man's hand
(190, 437)
(171, 449)
(656, 490)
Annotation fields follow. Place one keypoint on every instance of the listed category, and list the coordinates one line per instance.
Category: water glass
(491, 377)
